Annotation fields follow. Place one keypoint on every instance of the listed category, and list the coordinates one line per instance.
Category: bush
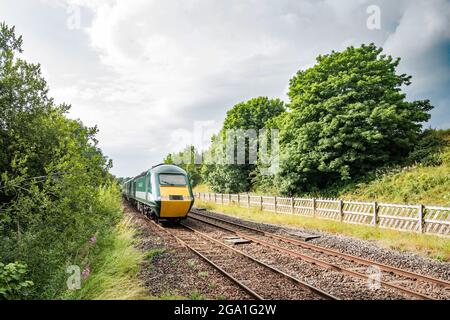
(428, 149)
(55, 188)
(12, 282)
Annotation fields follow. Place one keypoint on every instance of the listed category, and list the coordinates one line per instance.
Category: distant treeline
(347, 116)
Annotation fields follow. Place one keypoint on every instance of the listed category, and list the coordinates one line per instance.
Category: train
(163, 192)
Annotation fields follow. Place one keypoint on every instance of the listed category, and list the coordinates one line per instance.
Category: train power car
(163, 192)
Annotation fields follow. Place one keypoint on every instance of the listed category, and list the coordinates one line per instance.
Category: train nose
(175, 201)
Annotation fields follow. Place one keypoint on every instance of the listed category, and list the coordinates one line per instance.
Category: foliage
(12, 282)
(428, 149)
(187, 159)
(115, 263)
(52, 175)
(121, 180)
(348, 117)
(252, 114)
(424, 182)
(226, 178)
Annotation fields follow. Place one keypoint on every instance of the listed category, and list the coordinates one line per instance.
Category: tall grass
(416, 185)
(114, 268)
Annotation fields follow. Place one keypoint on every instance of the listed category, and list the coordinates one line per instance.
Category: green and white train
(162, 192)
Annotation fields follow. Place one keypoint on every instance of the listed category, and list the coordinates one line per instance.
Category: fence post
(215, 197)
(229, 199)
(261, 203)
(292, 205)
(248, 200)
(314, 206)
(221, 195)
(275, 203)
(421, 218)
(375, 213)
(341, 211)
(239, 200)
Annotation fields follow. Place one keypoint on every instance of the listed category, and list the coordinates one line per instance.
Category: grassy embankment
(114, 265)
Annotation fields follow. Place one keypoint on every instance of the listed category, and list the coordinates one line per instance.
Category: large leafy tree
(252, 114)
(349, 116)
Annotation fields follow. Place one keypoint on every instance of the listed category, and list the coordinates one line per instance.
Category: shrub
(12, 282)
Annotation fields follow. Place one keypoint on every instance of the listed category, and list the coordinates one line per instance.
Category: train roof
(160, 168)
(167, 168)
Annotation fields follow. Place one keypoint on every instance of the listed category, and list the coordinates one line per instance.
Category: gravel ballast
(176, 272)
(356, 247)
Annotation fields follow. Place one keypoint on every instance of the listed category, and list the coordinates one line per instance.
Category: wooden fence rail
(413, 218)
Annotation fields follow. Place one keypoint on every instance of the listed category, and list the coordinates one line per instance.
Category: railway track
(257, 278)
(409, 283)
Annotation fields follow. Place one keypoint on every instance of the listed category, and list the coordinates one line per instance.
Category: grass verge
(431, 246)
(114, 268)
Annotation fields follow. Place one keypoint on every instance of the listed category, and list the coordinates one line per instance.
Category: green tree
(349, 116)
(252, 114)
(187, 159)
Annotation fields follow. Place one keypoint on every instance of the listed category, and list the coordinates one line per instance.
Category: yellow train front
(163, 192)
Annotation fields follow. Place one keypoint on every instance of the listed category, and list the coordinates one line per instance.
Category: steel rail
(295, 280)
(382, 266)
(318, 262)
(305, 285)
(210, 262)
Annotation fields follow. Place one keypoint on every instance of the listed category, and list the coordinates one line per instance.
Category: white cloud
(143, 69)
(421, 29)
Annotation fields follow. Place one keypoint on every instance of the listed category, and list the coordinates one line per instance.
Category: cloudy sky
(151, 73)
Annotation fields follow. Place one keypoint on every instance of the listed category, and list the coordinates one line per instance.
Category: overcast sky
(149, 72)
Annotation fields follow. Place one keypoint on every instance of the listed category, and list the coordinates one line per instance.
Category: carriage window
(172, 180)
(149, 183)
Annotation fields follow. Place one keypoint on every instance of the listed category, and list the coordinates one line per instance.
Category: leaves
(349, 116)
(51, 175)
(253, 114)
(12, 283)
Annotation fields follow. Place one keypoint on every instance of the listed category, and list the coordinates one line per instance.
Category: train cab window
(166, 179)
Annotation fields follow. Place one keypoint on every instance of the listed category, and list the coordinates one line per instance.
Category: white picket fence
(413, 218)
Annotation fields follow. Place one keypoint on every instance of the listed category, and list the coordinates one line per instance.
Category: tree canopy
(252, 114)
(349, 116)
